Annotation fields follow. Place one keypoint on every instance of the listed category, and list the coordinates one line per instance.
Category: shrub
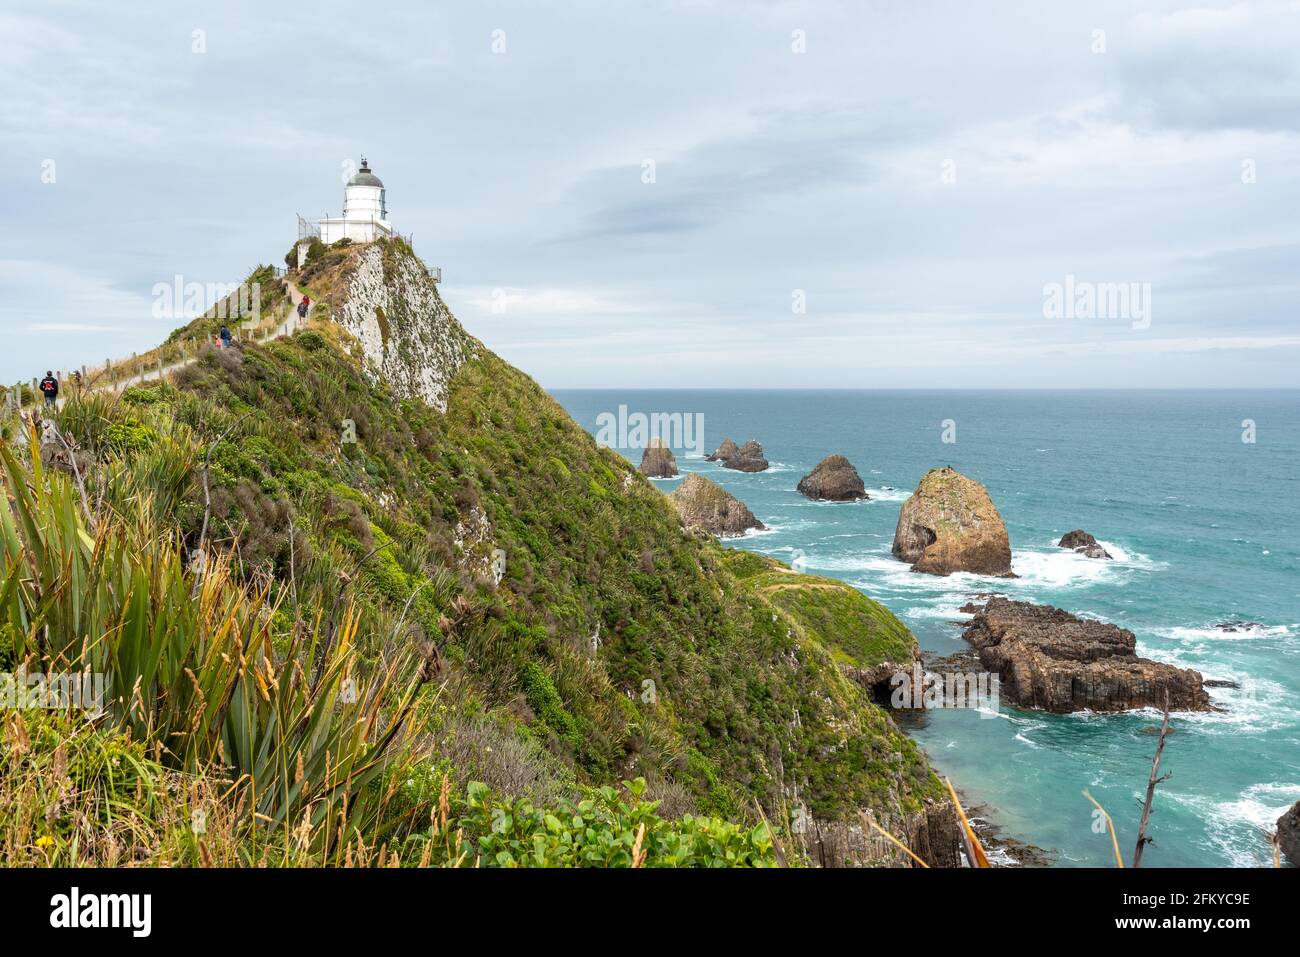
(142, 395)
(128, 436)
(606, 830)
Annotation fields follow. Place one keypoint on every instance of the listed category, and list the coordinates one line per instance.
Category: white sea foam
(945, 611)
(820, 503)
(1058, 569)
(1239, 828)
(1245, 631)
(889, 494)
(1055, 567)
(1050, 568)
(1255, 705)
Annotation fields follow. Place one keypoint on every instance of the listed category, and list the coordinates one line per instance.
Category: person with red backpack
(50, 388)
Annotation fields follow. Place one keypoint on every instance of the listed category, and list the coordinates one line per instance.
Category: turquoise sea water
(1205, 529)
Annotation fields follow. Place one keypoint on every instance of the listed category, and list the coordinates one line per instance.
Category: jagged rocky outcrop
(950, 524)
(833, 480)
(410, 340)
(1052, 660)
(748, 458)
(723, 452)
(931, 833)
(1288, 834)
(744, 458)
(1083, 543)
(707, 505)
(658, 460)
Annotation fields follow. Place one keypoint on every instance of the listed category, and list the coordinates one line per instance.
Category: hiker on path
(225, 337)
(50, 387)
(302, 308)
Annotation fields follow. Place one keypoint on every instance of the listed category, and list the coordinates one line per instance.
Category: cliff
(408, 337)
(518, 606)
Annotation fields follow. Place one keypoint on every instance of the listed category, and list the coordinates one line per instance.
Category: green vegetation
(605, 830)
(861, 632)
(304, 634)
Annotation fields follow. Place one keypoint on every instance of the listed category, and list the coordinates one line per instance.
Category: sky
(686, 194)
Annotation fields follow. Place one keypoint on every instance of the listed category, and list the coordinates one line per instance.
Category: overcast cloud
(916, 176)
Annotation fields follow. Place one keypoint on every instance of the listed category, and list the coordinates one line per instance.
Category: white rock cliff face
(410, 339)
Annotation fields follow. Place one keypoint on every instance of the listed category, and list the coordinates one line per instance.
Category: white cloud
(776, 172)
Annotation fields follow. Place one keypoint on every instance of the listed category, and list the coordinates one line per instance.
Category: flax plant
(188, 660)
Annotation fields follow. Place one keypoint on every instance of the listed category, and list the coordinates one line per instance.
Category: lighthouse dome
(364, 177)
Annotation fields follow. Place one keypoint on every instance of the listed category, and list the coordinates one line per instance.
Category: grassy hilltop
(449, 642)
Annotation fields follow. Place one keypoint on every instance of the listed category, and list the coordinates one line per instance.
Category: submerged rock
(1083, 543)
(705, 504)
(950, 524)
(1052, 660)
(748, 458)
(1288, 834)
(658, 460)
(833, 480)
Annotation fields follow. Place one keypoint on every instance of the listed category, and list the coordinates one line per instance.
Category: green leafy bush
(607, 830)
(129, 435)
(142, 395)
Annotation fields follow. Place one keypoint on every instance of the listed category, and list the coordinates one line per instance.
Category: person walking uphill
(225, 337)
(50, 388)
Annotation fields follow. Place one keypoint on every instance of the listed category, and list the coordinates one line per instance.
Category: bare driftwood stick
(1152, 781)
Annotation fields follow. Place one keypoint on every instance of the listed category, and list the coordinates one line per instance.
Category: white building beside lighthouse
(365, 211)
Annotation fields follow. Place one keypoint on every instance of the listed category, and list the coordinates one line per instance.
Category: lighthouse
(365, 210)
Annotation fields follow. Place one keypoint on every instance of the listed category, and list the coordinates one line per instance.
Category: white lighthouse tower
(365, 211)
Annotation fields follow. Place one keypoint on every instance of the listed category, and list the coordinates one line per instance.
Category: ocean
(1204, 528)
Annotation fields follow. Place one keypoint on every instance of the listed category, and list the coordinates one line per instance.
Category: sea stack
(744, 458)
(748, 458)
(723, 452)
(1083, 543)
(951, 525)
(707, 505)
(658, 460)
(1051, 660)
(833, 480)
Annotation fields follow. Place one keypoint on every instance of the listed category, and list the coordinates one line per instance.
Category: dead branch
(1154, 779)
